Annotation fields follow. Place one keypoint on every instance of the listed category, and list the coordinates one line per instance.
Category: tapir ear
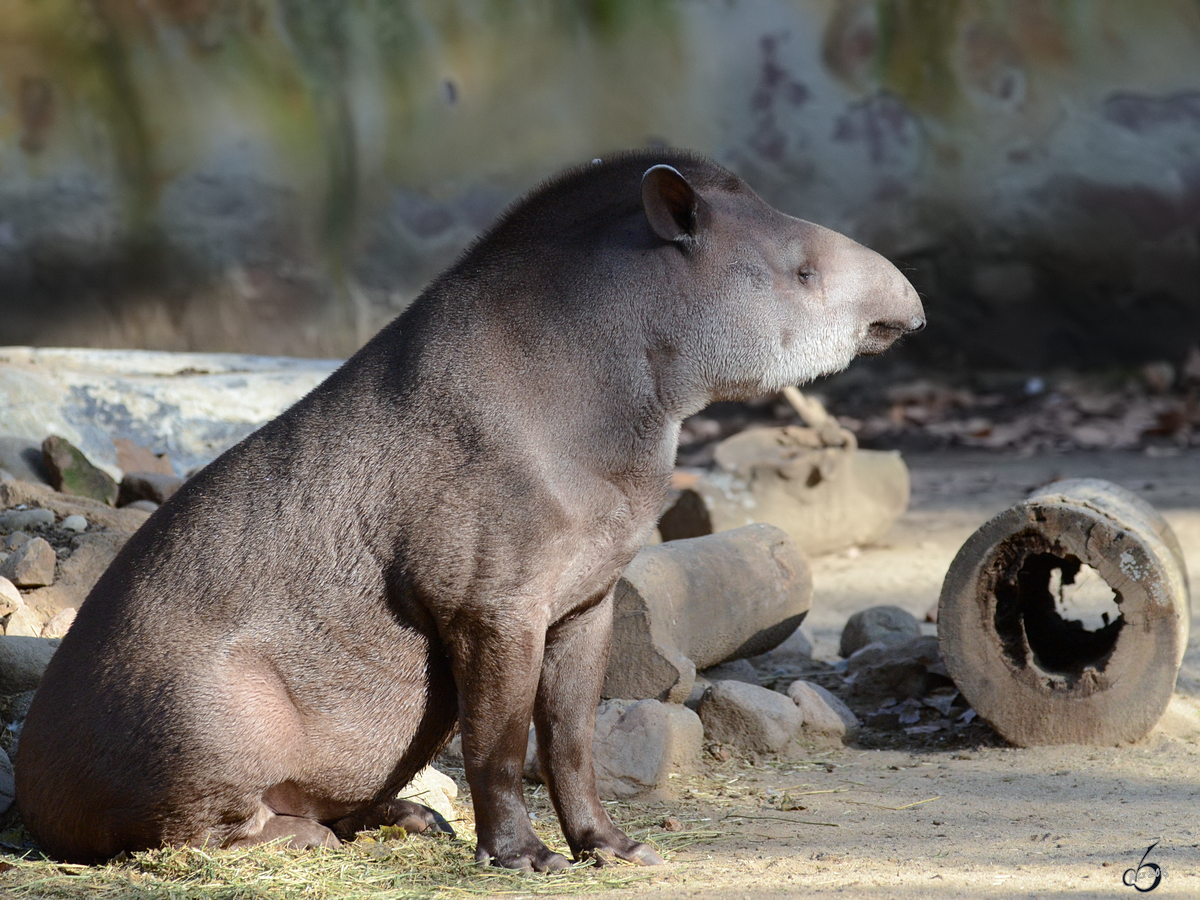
(670, 203)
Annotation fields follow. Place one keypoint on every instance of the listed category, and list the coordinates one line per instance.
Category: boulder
(889, 624)
(749, 717)
(60, 623)
(692, 604)
(30, 565)
(72, 473)
(10, 597)
(825, 716)
(22, 662)
(636, 746)
(24, 622)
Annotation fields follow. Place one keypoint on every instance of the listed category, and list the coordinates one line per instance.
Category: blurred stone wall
(282, 176)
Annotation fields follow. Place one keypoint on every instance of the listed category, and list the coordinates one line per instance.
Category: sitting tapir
(432, 536)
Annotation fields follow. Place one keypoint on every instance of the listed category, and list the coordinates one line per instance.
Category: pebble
(879, 623)
(31, 564)
(749, 717)
(75, 523)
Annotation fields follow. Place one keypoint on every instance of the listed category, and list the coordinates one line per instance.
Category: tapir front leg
(497, 663)
(573, 665)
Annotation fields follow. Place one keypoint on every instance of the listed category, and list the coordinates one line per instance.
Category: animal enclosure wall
(282, 176)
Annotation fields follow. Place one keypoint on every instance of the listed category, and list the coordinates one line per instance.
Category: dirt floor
(977, 817)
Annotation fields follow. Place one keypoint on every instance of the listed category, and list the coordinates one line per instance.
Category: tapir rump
(432, 536)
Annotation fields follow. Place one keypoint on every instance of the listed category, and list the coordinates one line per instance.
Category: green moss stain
(916, 39)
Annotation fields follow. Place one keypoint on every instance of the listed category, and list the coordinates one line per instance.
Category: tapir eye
(804, 275)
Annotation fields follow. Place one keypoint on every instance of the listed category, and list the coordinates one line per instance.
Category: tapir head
(775, 301)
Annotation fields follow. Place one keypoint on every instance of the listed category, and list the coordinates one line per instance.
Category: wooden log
(1024, 654)
(690, 604)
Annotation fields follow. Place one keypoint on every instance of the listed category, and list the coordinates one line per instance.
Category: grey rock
(796, 650)
(16, 519)
(636, 746)
(71, 472)
(8, 786)
(737, 670)
(152, 486)
(6, 475)
(30, 565)
(22, 662)
(750, 717)
(824, 714)
(695, 603)
(882, 671)
(75, 523)
(24, 622)
(145, 505)
(699, 689)
(879, 623)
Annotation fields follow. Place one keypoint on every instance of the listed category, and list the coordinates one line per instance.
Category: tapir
(431, 537)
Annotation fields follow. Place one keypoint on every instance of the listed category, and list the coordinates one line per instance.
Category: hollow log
(1044, 666)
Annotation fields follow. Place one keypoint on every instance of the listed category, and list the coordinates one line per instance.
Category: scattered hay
(377, 866)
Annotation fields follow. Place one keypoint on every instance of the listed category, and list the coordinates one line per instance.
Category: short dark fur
(432, 535)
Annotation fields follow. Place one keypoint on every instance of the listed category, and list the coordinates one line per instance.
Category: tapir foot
(300, 834)
(621, 847)
(412, 817)
(531, 857)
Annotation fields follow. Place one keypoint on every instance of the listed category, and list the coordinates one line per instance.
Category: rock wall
(282, 176)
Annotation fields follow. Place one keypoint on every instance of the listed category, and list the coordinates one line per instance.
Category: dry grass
(379, 865)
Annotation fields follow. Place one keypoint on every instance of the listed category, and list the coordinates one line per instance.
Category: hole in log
(1057, 607)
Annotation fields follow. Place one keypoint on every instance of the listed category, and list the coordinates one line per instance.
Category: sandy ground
(983, 820)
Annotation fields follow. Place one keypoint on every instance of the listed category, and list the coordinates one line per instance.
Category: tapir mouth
(881, 335)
